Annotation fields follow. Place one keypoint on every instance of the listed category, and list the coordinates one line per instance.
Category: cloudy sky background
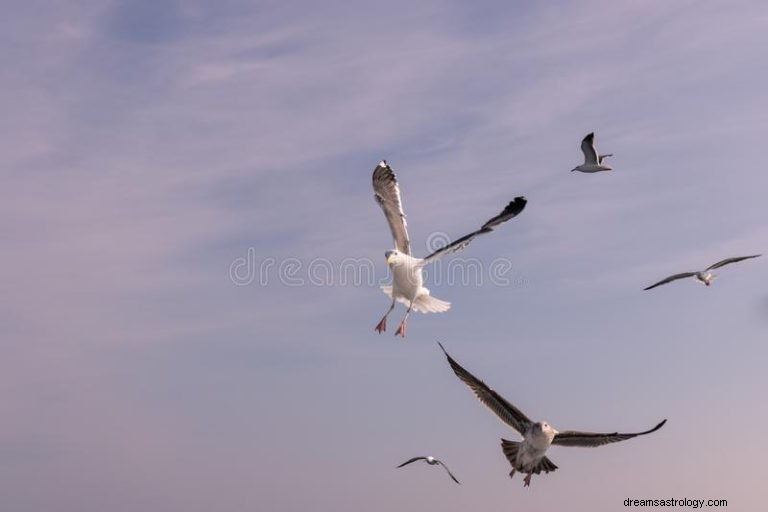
(147, 145)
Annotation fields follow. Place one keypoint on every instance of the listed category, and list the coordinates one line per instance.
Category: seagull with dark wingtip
(528, 456)
(432, 462)
(593, 162)
(407, 276)
(703, 276)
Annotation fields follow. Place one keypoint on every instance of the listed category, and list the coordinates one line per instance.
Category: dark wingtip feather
(654, 429)
(456, 367)
(514, 207)
(510, 211)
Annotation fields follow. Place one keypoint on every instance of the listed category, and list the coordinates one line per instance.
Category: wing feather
(507, 412)
(728, 261)
(510, 211)
(386, 190)
(411, 460)
(588, 148)
(448, 471)
(671, 278)
(592, 439)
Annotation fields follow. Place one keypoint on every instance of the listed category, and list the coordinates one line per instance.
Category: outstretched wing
(511, 210)
(387, 193)
(601, 157)
(671, 278)
(448, 471)
(728, 261)
(411, 460)
(588, 148)
(508, 413)
(592, 439)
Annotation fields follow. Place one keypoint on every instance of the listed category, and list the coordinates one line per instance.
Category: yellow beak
(389, 259)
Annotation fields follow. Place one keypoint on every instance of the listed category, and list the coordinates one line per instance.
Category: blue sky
(148, 145)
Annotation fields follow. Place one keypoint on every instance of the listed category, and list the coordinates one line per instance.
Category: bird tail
(510, 449)
(424, 302)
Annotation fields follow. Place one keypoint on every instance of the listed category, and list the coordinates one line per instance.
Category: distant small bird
(407, 279)
(703, 276)
(592, 161)
(431, 461)
(528, 456)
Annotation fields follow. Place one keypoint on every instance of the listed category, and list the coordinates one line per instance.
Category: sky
(184, 181)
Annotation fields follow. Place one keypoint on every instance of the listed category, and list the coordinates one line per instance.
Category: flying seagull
(407, 279)
(593, 162)
(703, 276)
(528, 456)
(431, 461)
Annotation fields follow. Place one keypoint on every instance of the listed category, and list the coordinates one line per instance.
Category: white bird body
(407, 276)
(408, 284)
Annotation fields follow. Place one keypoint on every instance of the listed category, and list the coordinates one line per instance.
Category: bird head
(705, 278)
(545, 428)
(390, 256)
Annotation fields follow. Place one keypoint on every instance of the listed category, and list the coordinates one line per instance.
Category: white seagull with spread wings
(528, 456)
(703, 276)
(407, 279)
(431, 461)
(593, 162)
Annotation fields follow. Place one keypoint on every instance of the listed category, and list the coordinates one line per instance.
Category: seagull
(431, 461)
(592, 161)
(407, 279)
(528, 456)
(703, 276)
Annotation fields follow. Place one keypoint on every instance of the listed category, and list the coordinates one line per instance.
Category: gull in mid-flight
(407, 279)
(431, 461)
(593, 162)
(528, 456)
(703, 276)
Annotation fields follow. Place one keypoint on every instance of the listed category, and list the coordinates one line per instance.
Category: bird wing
(601, 157)
(507, 412)
(588, 148)
(592, 439)
(510, 211)
(411, 460)
(671, 278)
(448, 471)
(728, 261)
(386, 190)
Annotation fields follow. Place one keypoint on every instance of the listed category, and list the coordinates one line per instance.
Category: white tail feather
(424, 302)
